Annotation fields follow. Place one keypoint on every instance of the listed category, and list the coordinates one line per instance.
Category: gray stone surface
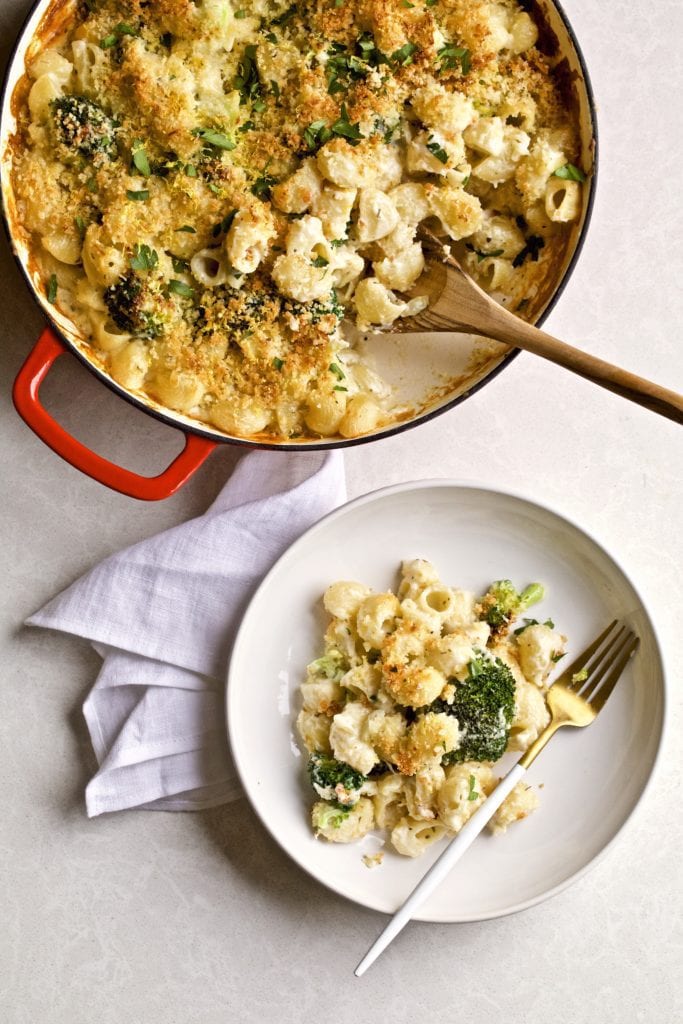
(160, 918)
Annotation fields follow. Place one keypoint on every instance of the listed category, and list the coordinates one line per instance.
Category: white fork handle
(438, 871)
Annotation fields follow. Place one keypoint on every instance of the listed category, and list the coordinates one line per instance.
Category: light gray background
(161, 918)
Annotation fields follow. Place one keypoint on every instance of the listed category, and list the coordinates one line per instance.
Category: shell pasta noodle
(228, 195)
(415, 697)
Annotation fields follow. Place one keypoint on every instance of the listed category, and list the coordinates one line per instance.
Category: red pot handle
(49, 348)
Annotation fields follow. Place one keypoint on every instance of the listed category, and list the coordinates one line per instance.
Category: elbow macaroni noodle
(369, 702)
(223, 191)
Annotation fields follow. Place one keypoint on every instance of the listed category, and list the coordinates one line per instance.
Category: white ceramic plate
(592, 778)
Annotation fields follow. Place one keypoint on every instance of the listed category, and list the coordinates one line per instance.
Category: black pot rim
(425, 417)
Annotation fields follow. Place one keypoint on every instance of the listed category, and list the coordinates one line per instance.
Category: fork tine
(582, 661)
(601, 663)
(601, 694)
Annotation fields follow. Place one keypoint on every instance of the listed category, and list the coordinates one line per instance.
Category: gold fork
(575, 699)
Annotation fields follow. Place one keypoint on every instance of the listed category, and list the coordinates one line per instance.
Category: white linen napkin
(163, 615)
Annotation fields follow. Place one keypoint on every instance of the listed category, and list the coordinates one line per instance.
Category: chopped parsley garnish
(179, 265)
(144, 258)
(483, 255)
(190, 170)
(450, 55)
(338, 387)
(114, 37)
(472, 794)
(534, 622)
(278, 363)
(247, 81)
(240, 14)
(316, 134)
(406, 3)
(320, 261)
(282, 19)
(342, 126)
(263, 184)
(275, 89)
(569, 172)
(188, 229)
(337, 371)
(534, 244)
(51, 290)
(430, 3)
(180, 288)
(140, 158)
(437, 150)
(137, 196)
(556, 657)
(80, 225)
(404, 55)
(336, 242)
(218, 139)
(271, 37)
(581, 676)
(223, 226)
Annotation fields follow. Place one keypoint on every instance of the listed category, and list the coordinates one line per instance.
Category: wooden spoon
(457, 304)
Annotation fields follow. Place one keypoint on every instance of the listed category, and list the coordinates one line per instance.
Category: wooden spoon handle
(621, 382)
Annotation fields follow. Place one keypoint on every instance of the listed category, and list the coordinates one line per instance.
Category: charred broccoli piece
(502, 603)
(334, 780)
(84, 128)
(484, 706)
(131, 306)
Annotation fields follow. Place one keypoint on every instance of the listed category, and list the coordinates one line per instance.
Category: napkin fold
(163, 615)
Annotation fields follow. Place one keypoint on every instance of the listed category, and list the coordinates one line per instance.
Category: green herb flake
(144, 258)
(278, 363)
(138, 196)
(216, 189)
(437, 150)
(556, 657)
(180, 266)
(275, 89)
(320, 261)
(223, 226)
(431, 3)
(140, 158)
(336, 242)
(337, 371)
(51, 289)
(190, 170)
(180, 288)
(271, 37)
(188, 229)
(80, 225)
(282, 19)
(404, 55)
(343, 127)
(450, 55)
(570, 173)
(214, 138)
(240, 14)
(263, 184)
(109, 41)
(338, 387)
(406, 3)
(580, 677)
(316, 134)
(472, 794)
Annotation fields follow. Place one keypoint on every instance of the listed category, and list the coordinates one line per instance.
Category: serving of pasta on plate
(225, 196)
(415, 697)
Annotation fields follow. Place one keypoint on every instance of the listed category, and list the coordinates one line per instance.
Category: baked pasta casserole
(415, 697)
(224, 194)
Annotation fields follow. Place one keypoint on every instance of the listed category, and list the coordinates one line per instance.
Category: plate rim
(453, 483)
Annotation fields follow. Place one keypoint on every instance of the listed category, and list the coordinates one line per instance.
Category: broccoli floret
(84, 127)
(335, 780)
(131, 307)
(502, 603)
(332, 665)
(328, 816)
(484, 706)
